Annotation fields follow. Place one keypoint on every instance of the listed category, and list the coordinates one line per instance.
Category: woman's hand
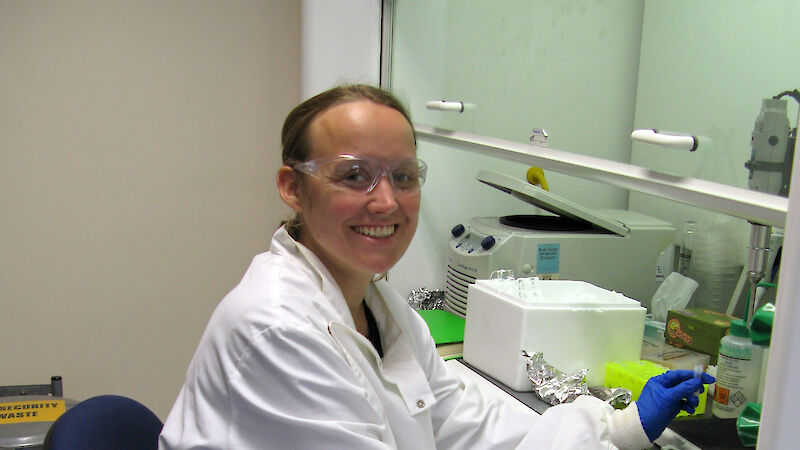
(665, 395)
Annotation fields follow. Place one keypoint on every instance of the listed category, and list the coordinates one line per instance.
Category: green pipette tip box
(633, 375)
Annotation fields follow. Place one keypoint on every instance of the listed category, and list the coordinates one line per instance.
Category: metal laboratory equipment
(770, 166)
(614, 249)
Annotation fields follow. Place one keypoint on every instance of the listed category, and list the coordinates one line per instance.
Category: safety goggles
(362, 174)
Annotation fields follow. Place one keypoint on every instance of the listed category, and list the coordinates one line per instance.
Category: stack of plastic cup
(717, 259)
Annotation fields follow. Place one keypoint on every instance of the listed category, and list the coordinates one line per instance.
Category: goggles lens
(363, 174)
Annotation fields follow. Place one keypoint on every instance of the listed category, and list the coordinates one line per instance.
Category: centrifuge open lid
(548, 201)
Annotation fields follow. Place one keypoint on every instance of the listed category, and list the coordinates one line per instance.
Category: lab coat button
(420, 404)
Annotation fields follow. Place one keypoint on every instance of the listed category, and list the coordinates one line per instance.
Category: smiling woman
(310, 351)
(341, 225)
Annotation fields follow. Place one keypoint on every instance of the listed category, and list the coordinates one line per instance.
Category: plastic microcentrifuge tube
(698, 373)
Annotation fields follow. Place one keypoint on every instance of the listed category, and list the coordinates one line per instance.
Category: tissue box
(575, 324)
(698, 329)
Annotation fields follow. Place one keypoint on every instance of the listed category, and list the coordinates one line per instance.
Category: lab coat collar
(284, 244)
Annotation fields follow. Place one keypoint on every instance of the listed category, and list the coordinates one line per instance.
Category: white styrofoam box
(574, 324)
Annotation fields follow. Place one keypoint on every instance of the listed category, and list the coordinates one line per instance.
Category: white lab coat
(281, 366)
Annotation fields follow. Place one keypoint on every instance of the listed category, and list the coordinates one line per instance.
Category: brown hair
(294, 136)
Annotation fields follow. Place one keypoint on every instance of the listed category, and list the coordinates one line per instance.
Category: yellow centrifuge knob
(535, 176)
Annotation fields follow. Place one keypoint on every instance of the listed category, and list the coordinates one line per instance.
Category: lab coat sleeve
(463, 420)
(587, 422)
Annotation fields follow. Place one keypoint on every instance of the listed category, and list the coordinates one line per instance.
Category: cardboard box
(697, 329)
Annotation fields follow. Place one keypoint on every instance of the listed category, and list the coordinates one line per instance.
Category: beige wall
(138, 146)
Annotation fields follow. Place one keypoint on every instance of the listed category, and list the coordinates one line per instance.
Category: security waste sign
(31, 411)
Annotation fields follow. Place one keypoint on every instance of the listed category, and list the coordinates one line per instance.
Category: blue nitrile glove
(665, 395)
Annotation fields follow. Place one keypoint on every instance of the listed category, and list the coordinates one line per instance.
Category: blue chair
(105, 422)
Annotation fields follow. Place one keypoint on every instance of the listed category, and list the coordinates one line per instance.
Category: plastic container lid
(558, 294)
(548, 201)
(739, 328)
